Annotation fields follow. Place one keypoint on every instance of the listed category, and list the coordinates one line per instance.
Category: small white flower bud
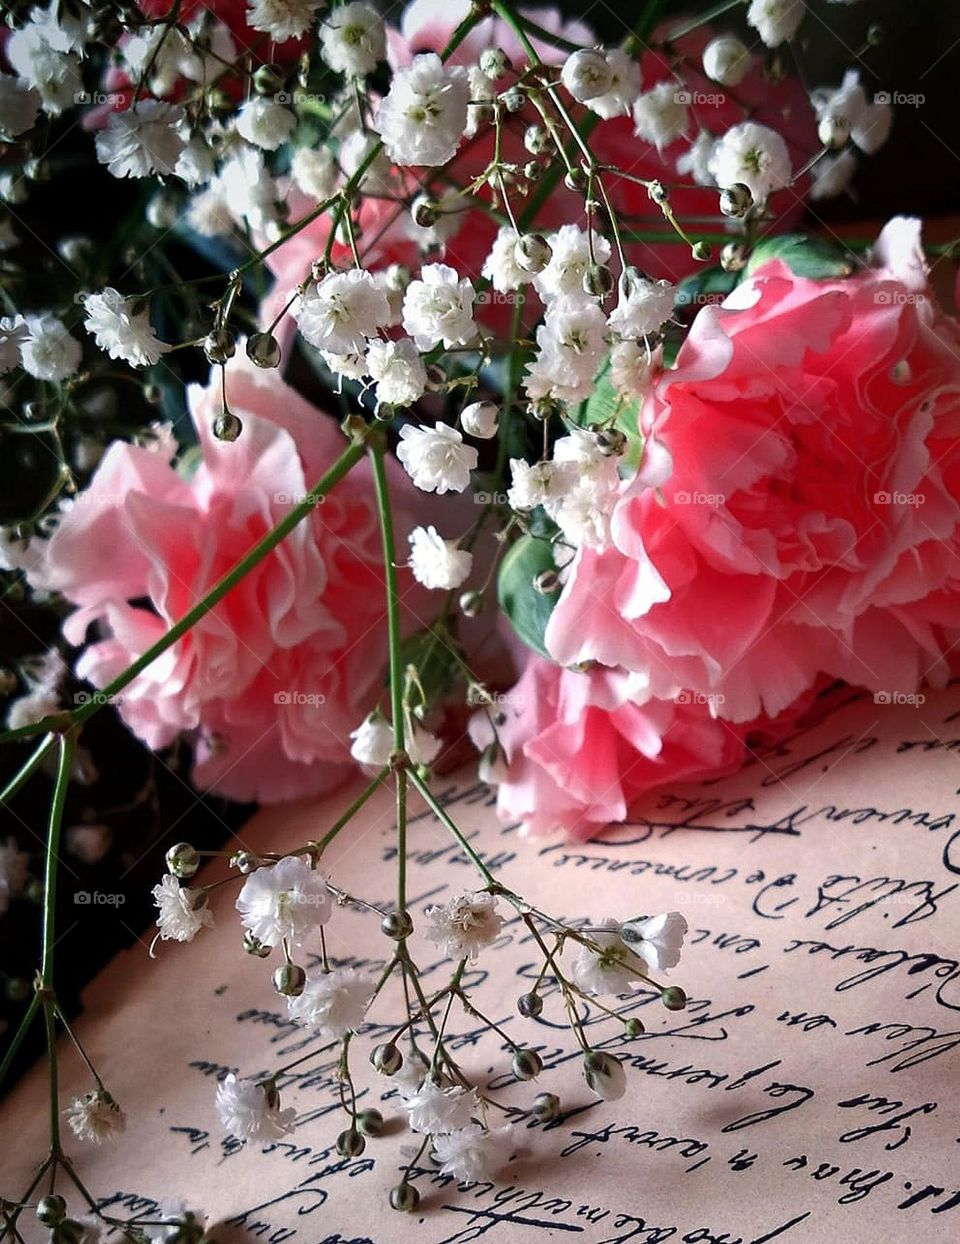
(350, 1143)
(736, 200)
(527, 1064)
(726, 60)
(404, 1197)
(480, 419)
(834, 130)
(545, 1107)
(513, 100)
(532, 252)
(529, 1005)
(494, 63)
(263, 349)
(586, 74)
(289, 980)
(183, 860)
(387, 1059)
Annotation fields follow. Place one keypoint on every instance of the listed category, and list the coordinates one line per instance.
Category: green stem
(352, 811)
(27, 769)
(438, 811)
(28, 1017)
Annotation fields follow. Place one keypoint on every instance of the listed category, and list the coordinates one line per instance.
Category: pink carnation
(811, 522)
(275, 677)
(583, 748)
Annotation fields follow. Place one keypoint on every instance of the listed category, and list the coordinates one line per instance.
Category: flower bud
(51, 1209)
(546, 583)
(387, 1059)
(161, 211)
(289, 980)
(657, 192)
(575, 179)
(632, 1027)
(513, 100)
(425, 211)
(479, 419)
(253, 946)
(370, 1122)
(397, 924)
(833, 130)
(219, 346)
(673, 998)
(350, 1143)
(605, 1075)
(526, 1064)
(471, 604)
(598, 280)
(536, 139)
(494, 63)
(245, 862)
(586, 74)
(532, 171)
(545, 1107)
(733, 257)
(263, 349)
(183, 860)
(404, 1197)
(227, 426)
(532, 252)
(268, 79)
(736, 200)
(701, 251)
(726, 60)
(611, 442)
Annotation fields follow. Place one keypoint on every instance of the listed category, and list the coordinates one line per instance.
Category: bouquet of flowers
(500, 400)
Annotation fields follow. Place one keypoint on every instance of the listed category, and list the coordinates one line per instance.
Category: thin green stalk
(352, 811)
(442, 816)
(17, 1040)
(396, 673)
(27, 769)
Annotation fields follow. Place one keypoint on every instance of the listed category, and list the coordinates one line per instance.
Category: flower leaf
(816, 258)
(528, 610)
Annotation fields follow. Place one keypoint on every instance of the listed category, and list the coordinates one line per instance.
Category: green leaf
(707, 285)
(816, 258)
(528, 610)
(606, 406)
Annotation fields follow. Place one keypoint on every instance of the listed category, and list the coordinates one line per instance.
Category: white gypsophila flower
(832, 174)
(436, 459)
(583, 506)
(398, 370)
(212, 48)
(695, 161)
(265, 123)
(250, 1110)
(434, 1110)
(421, 746)
(209, 213)
(45, 54)
(605, 1075)
(372, 741)
(282, 19)
(95, 1117)
(353, 39)
(393, 280)
(533, 485)
(183, 911)
(847, 110)
(625, 83)
(13, 333)
(465, 924)
(437, 563)
(423, 117)
(571, 345)
(726, 59)
(345, 366)
(632, 366)
(661, 115)
(377, 179)
(195, 164)
(752, 155)
(586, 74)
(569, 261)
(13, 871)
(480, 420)
(158, 51)
(500, 266)
(342, 311)
(776, 21)
(473, 1152)
(286, 900)
(89, 843)
(614, 969)
(142, 140)
(19, 105)
(659, 939)
(314, 171)
(249, 191)
(120, 330)
(438, 308)
(644, 309)
(334, 1003)
(49, 352)
(483, 91)
(27, 710)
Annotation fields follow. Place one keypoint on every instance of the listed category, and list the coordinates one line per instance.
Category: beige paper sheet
(809, 1093)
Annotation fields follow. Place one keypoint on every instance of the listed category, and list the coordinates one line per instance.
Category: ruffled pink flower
(274, 678)
(811, 524)
(583, 748)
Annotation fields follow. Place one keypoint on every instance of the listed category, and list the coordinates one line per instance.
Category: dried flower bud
(350, 1143)
(263, 349)
(527, 1064)
(545, 1107)
(51, 1209)
(289, 980)
(387, 1059)
(673, 998)
(658, 192)
(632, 1027)
(736, 200)
(536, 139)
(183, 860)
(370, 1122)
(397, 924)
(532, 252)
(404, 1197)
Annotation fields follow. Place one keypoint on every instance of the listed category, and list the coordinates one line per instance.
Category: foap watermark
(298, 498)
(312, 699)
(489, 498)
(899, 697)
(712, 699)
(700, 99)
(93, 697)
(111, 99)
(98, 898)
(900, 99)
(497, 297)
(298, 98)
(912, 499)
(699, 498)
(897, 298)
